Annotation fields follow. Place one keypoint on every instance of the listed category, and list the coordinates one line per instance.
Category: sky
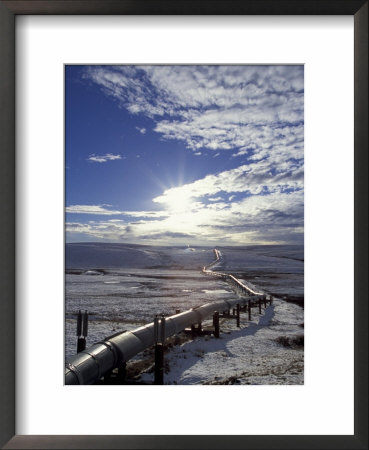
(184, 155)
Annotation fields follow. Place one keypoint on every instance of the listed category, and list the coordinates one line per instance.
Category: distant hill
(105, 256)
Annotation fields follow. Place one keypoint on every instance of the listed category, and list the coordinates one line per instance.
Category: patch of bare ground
(291, 341)
(297, 299)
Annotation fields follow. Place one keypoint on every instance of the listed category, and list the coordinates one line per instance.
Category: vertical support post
(85, 324)
(233, 311)
(199, 328)
(159, 364)
(122, 373)
(79, 324)
(159, 334)
(107, 377)
(249, 309)
(81, 344)
(216, 324)
(238, 315)
(156, 329)
(259, 305)
(82, 325)
(162, 330)
(265, 301)
(271, 299)
(193, 332)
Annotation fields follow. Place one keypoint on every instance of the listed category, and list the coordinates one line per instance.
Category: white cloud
(102, 210)
(141, 130)
(277, 217)
(103, 158)
(91, 209)
(214, 107)
(252, 178)
(146, 214)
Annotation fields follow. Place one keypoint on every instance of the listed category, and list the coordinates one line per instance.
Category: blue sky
(184, 155)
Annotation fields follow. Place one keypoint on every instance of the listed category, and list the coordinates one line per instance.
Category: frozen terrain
(267, 350)
(124, 286)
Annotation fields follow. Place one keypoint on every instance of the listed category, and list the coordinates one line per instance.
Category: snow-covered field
(123, 300)
(123, 287)
(267, 350)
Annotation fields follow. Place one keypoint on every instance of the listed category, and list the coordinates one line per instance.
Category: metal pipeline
(229, 277)
(91, 364)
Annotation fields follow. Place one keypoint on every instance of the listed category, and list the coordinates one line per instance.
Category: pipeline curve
(207, 270)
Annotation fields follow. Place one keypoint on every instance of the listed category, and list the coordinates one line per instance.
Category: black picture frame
(8, 12)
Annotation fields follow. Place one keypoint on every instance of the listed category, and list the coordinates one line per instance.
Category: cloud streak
(103, 158)
(101, 210)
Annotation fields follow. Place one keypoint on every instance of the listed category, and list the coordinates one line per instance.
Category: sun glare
(178, 201)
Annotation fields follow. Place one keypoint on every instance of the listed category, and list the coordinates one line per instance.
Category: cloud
(216, 107)
(91, 209)
(146, 214)
(275, 218)
(255, 178)
(255, 114)
(166, 235)
(103, 158)
(102, 210)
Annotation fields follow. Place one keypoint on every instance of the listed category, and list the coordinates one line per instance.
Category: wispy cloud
(141, 130)
(91, 209)
(103, 158)
(255, 178)
(213, 107)
(102, 210)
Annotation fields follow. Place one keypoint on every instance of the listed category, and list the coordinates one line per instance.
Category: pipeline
(227, 276)
(91, 364)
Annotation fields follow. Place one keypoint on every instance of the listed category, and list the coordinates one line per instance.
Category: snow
(215, 291)
(124, 287)
(249, 355)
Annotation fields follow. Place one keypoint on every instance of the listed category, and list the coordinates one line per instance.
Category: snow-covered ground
(123, 287)
(267, 350)
(126, 299)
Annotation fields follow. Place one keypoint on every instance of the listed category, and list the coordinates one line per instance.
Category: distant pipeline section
(91, 364)
(227, 276)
